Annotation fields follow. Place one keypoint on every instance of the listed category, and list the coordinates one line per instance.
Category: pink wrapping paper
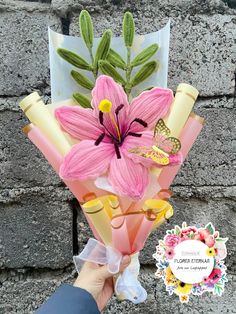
(55, 160)
(120, 235)
(136, 236)
(188, 136)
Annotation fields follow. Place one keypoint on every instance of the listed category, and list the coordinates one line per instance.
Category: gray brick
(168, 7)
(25, 296)
(211, 160)
(22, 164)
(202, 53)
(160, 302)
(24, 62)
(36, 230)
(12, 103)
(217, 103)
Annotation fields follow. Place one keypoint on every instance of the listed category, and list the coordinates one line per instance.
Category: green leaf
(210, 228)
(103, 46)
(82, 80)
(214, 262)
(224, 240)
(218, 289)
(177, 230)
(74, 59)
(108, 69)
(86, 28)
(144, 73)
(82, 100)
(148, 88)
(223, 279)
(128, 29)
(115, 59)
(145, 55)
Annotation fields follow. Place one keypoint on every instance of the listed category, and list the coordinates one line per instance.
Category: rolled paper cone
(120, 235)
(99, 219)
(53, 106)
(43, 144)
(154, 206)
(152, 189)
(125, 203)
(188, 136)
(67, 102)
(161, 208)
(38, 113)
(164, 194)
(114, 205)
(143, 232)
(185, 98)
(163, 217)
(180, 110)
(55, 160)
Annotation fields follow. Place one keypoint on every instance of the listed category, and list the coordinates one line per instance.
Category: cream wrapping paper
(38, 113)
(184, 100)
(188, 136)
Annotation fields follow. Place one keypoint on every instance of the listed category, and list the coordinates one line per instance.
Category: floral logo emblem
(215, 250)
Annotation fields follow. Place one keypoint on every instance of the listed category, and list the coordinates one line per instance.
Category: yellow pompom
(210, 251)
(105, 105)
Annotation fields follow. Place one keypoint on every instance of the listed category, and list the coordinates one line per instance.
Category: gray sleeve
(69, 300)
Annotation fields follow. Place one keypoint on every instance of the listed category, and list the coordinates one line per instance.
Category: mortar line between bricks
(45, 187)
(200, 97)
(23, 274)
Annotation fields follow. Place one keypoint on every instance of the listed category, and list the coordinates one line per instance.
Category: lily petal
(86, 161)
(127, 177)
(150, 106)
(79, 122)
(107, 88)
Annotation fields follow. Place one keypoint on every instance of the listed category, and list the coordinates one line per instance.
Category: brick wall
(35, 208)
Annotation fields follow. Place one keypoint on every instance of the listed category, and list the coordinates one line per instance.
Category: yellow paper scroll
(52, 107)
(185, 98)
(160, 208)
(100, 219)
(180, 110)
(38, 113)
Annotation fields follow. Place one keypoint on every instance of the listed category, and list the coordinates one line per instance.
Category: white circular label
(191, 262)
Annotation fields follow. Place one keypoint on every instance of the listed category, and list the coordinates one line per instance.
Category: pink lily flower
(108, 131)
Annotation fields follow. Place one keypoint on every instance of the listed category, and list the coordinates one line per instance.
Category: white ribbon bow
(127, 286)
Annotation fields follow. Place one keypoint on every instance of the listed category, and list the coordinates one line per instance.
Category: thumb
(126, 259)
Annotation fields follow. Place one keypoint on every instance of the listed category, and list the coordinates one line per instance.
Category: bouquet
(115, 142)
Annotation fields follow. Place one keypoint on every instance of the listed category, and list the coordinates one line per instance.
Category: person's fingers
(103, 272)
(125, 262)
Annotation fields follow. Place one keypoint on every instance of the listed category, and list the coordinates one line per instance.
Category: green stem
(92, 59)
(128, 72)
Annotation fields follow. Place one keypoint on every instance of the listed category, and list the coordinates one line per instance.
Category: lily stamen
(105, 107)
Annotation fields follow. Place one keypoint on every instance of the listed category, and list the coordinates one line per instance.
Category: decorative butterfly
(165, 148)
